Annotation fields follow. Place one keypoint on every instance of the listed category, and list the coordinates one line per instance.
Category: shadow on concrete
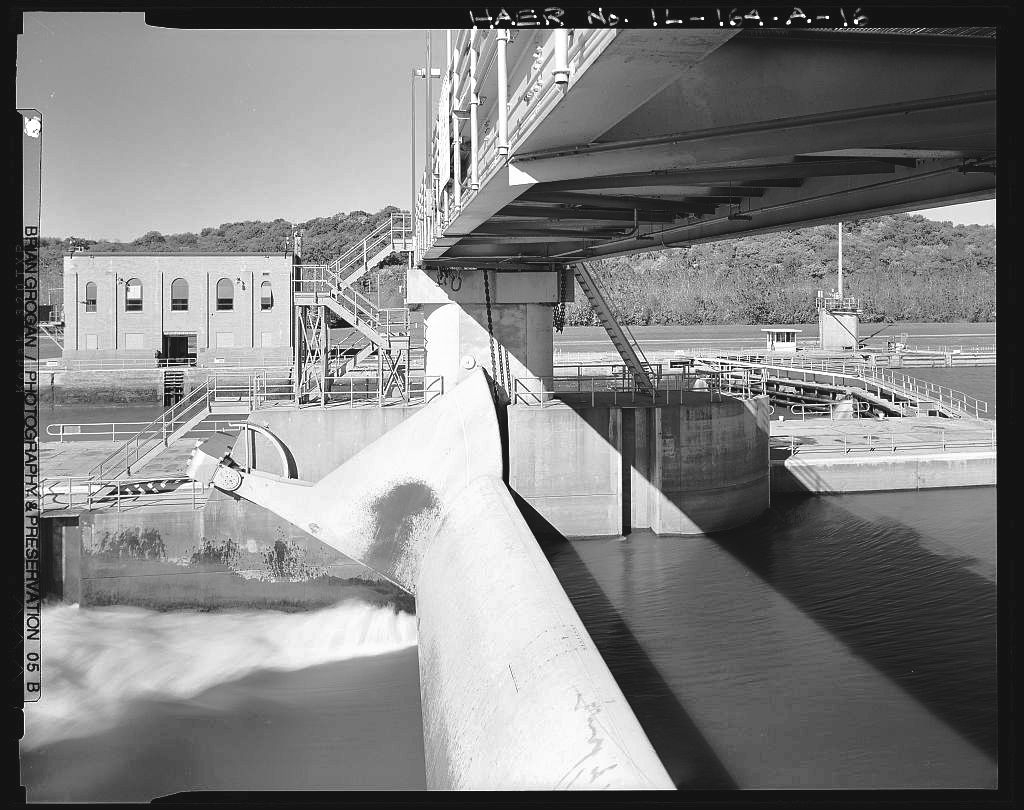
(664, 482)
(689, 760)
(851, 577)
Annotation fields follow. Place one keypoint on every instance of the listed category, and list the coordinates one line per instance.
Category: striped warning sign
(150, 487)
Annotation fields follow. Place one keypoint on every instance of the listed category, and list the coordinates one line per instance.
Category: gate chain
(490, 333)
(559, 315)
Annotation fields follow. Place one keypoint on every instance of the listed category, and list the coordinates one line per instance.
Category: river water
(844, 641)
(138, 704)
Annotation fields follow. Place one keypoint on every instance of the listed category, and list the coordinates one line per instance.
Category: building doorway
(179, 350)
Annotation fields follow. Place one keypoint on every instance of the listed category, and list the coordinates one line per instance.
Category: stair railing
(156, 432)
(621, 336)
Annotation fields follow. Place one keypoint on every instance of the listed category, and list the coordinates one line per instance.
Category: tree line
(902, 267)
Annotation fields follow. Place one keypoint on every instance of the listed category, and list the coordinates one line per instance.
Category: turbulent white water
(96, 661)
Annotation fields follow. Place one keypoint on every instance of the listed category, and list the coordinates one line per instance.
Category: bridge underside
(674, 138)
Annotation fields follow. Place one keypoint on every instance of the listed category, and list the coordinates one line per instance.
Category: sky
(176, 130)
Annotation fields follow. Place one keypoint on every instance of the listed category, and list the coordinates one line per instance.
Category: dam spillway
(514, 692)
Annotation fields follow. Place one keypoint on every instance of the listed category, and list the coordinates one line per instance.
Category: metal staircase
(393, 235)
(236, 394)
(174, 386)
(328, 286)
(54, 331)
(622, 339)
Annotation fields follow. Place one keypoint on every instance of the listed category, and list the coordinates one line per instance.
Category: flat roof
(780, 329)
(170, 254)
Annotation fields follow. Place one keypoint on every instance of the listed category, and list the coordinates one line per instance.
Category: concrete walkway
(869, 455)
(76, 458)
(915, 434)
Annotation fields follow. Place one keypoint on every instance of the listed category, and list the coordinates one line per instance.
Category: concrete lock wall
(173, 559)
(136, 387)
(881, 472)
(514, 692)
(677, 469)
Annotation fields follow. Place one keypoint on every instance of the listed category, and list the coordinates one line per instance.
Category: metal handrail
(352, 389)
(871, 441)
(347, 388)
(154, 431)
(951, 397)
(804, 410)
(540, 390)
(865, 374)
(357, 249)
(837, 302)
(322, 281)
(150, 363)
(160, 429)
(379, 237)
(94, 431)
(91, 489)
(963, 348)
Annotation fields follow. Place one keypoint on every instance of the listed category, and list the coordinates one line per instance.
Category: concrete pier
(456, 324)
(689, 468)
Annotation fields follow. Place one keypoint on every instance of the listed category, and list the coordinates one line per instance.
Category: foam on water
(96, 661)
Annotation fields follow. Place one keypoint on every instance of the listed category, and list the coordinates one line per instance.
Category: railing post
(502, 111)
(474, 103)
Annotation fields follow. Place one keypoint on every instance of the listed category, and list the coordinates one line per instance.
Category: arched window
(90, 296)
(266, 296)
(133, 295)
(225, 295)
(179, 295)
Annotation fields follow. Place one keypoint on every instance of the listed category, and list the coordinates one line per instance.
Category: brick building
(229, 308)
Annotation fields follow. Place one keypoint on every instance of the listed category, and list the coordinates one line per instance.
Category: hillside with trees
(903, 267)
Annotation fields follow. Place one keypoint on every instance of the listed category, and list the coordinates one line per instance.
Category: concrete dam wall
(514, 692)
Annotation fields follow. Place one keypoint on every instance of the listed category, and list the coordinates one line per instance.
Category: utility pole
(420, 73)
(840, 261)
